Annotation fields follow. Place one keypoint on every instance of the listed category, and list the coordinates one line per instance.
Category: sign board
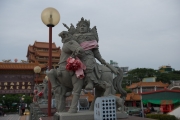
(14, 84)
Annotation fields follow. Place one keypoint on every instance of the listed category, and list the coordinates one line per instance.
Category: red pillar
(50, 66)
(134, 103)
(149, 104)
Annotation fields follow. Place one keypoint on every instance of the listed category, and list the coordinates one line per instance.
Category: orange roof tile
(89, 96)
(147, 84)
(46, 53)
(44, 45)
(164, 90)
(131, 96)
(30, 48)
(19, 66)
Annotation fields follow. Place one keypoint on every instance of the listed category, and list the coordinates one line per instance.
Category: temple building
(156, 94)
(39, 52)
(141, 87)
(19, 76)
(165, 69)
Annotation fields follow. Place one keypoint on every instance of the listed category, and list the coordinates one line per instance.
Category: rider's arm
(97, 55)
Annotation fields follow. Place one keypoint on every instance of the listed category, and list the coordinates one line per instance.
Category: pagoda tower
(39, 53)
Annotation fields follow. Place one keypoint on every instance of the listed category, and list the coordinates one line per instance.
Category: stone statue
(38, 93)
(119, 101)
(45, 88)
(84, 37)
(41, 93)
(78, 68)
(7, 61)
(24, 61)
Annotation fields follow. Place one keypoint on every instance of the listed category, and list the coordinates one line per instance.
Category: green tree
(136, 75)
(12, 101)
(139, 73)
(167, 77)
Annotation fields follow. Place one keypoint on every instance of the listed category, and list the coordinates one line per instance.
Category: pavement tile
(10, 117)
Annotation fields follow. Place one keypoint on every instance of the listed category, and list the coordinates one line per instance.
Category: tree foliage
(136, 75)
(139, 73)
(167, 77)
(9, 99)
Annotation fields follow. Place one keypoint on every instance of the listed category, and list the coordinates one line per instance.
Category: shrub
(161, 116)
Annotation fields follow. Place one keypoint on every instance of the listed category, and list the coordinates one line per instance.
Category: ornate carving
(7, 61)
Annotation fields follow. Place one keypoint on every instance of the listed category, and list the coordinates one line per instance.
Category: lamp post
(50, 17)
(37, 70)
(3, 99)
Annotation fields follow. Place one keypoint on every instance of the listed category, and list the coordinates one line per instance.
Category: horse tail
(117, 83)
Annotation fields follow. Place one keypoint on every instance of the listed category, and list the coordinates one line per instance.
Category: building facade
(165, 69)
(19, 77)
(142, 87)
(39, 52)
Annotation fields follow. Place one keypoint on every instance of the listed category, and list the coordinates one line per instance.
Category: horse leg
(58, 91)
(60, 98)
(120, 103)
(98, 93)
(52, 75)
(77, 86)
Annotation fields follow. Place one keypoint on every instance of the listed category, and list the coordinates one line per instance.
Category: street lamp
(46, 78)
(50, 17)
(37, 70)
(3, 99)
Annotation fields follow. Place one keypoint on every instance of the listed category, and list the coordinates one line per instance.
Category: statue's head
(83, 26)
(66, 36)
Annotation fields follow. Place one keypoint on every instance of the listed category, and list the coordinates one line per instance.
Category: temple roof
(30, 48)
(46, 53)
(19, 66)
(44, 45)
(131, 96)
(159, 91)
(147, 84)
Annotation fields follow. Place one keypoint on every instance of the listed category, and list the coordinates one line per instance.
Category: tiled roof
(164, 90)
(19, 66)
(147, 84)
(44, 45)
(88, 95)
(46, 53)
(131, 96)
(30, 48)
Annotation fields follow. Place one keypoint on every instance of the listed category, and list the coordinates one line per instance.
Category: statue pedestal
(82, 115)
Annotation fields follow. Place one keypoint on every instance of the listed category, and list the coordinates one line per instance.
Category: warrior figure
(88, 39)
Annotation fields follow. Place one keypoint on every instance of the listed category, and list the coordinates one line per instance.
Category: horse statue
(64, 81)
(78, 68)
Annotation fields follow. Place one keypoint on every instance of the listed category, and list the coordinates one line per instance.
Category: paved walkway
(14, 117)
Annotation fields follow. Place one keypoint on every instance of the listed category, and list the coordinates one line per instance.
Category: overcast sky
(134, 33)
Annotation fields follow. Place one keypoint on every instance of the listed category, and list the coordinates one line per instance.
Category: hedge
(161, 116)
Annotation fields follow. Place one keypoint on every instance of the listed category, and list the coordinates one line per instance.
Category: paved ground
(135, 118)
(14, 117)
(26, 117)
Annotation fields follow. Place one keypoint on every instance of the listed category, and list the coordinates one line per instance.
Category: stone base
(121, 115)
(43, 105)
(82, 115)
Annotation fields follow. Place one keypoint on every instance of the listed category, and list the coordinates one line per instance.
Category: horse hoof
(68, 94)
(72, 111)
(89, 87)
